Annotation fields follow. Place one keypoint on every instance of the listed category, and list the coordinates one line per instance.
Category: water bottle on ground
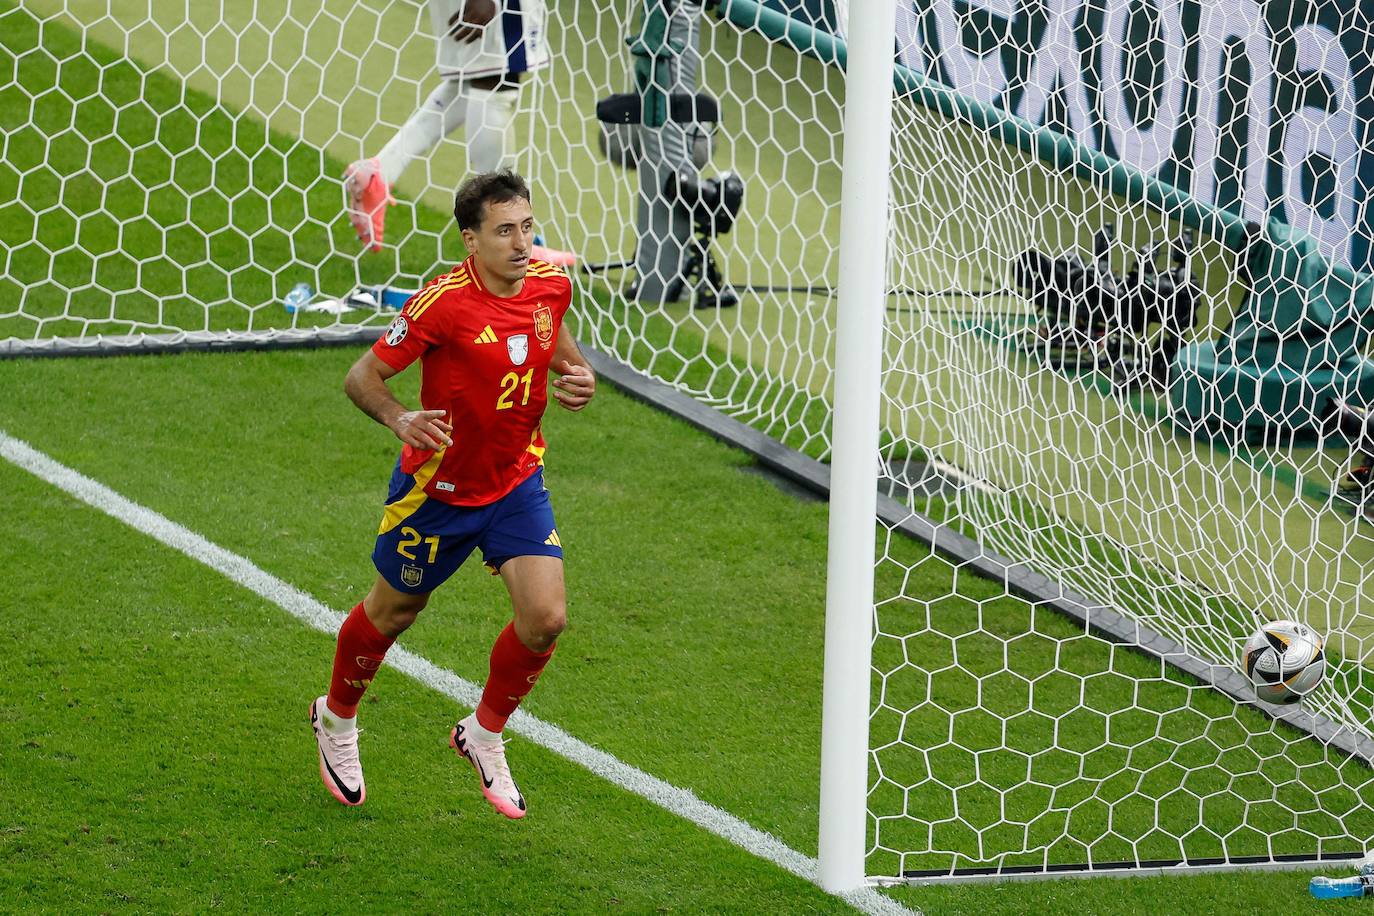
(298, 297)
(1324, 888)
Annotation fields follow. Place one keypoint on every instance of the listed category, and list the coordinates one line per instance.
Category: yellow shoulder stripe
(431, 295)
(423, 301)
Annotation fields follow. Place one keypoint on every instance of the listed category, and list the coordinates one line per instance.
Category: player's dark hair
(487, 188)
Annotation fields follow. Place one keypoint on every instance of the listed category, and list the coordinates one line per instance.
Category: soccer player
(485, 49)
(470, 475)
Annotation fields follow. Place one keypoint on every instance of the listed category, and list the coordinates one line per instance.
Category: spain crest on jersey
(411, 575)
(543, 324)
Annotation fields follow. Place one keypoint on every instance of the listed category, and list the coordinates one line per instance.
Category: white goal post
(854, 457)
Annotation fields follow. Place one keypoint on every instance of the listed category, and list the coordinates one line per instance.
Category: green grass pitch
(153, 750)
(155, 754)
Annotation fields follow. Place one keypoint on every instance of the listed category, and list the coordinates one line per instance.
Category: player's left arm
(577, 382)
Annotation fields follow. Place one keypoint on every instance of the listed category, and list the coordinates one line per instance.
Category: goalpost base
(191, 341)
(1148, 868)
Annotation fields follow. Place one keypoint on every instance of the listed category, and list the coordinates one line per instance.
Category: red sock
(514, 669)
(356, 659)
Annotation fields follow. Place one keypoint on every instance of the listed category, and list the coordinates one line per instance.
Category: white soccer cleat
(489, 760)
(340, 768)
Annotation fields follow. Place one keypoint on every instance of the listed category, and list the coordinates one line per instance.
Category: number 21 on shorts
(410, 539)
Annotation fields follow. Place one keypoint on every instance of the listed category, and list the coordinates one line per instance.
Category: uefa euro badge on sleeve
(397, 332)
(518, 346)
(411, 575)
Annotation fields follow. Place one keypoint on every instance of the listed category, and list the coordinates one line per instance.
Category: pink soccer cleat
(368, 197)
(553, 256)
(489, 760)
(340, 768)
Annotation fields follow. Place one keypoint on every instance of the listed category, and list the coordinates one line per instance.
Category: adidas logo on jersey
(487, 336)
(553, 539)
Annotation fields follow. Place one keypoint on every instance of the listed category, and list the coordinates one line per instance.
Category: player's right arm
(366, 386)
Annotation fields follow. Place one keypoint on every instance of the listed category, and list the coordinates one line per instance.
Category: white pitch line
(682, 802)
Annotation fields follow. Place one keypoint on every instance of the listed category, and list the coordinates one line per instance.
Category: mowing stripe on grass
(679, 801)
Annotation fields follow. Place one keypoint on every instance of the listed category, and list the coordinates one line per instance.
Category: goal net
(1123, 378)
(1072, 348)
(1067, 309)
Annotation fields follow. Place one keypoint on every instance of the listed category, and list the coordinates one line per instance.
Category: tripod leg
(715, 282)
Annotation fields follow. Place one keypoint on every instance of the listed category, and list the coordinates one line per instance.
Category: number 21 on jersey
(509, 383)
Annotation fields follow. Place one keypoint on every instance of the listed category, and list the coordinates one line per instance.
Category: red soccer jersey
(484, 360)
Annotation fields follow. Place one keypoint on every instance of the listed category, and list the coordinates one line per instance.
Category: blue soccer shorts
(422, 541)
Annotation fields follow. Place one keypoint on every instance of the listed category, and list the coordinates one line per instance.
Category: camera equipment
(713, 204)
(1152, 313)
(1133, 325)
(621, 114)
(1073, 299)
(1356, 423)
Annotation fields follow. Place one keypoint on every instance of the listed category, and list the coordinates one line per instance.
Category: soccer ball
(1284, 661)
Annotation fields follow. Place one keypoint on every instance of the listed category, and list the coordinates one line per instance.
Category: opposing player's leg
(523, 545)
(484, 106)
(488, 116)
(491, 108)
(440, 115)
(366, 635)
(368, 182)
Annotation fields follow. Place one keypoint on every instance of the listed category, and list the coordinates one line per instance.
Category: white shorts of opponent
(515, 41)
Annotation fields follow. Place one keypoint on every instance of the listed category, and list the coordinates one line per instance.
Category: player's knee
(552, 624)
(398, 621)
(544, 626)
(393, 615)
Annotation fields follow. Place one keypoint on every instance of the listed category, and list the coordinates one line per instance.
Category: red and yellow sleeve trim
(427, 297)
(546, 270)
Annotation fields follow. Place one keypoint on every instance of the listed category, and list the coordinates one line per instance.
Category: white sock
(439, 116)
(480, 734)
(336, 725)
(490, 113)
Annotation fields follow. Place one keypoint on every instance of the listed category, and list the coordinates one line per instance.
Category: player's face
(502, 242)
